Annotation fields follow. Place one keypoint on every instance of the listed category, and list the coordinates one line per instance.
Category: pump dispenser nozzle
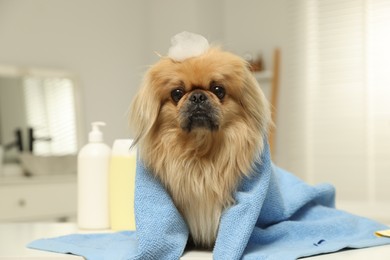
(96, 135)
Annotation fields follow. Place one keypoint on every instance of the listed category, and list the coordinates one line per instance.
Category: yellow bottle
(122, 185)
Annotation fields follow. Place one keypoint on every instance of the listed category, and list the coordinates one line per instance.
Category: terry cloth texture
(276, 216)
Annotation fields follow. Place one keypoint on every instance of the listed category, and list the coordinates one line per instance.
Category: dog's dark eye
(218, 90)
(177, 94)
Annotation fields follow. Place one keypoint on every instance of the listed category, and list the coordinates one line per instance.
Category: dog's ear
(261, 112)
(144, 110)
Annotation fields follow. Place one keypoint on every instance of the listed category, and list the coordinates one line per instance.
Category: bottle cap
(96, 136)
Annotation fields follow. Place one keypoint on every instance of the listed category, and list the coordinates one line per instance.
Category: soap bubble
(186, 45)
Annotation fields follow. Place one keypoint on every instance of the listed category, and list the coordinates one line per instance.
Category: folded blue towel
(276, 216)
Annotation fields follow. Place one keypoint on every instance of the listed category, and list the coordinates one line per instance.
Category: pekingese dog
(200, 124)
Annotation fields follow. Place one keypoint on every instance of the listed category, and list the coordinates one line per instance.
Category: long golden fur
(200, 158)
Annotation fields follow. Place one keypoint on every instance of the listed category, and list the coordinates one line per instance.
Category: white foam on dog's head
(186, 45)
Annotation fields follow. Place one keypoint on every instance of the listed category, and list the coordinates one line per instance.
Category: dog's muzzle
(198, 112)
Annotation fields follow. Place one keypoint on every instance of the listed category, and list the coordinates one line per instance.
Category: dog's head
(213, 94)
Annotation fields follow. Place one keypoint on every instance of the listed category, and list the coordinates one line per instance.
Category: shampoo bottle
(122, 185)
(93, 165)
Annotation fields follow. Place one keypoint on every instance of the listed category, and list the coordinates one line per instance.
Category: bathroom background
(333, 115)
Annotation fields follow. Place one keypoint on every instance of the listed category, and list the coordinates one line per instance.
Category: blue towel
(276, 216)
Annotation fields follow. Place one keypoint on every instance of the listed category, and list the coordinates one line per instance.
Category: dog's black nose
(198, 97)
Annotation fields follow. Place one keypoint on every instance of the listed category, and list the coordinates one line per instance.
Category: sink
(48, 165)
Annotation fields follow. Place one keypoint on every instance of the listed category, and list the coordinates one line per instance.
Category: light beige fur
(200, 168)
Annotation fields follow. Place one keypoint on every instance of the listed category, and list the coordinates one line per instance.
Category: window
(336, 100)
(50, 112)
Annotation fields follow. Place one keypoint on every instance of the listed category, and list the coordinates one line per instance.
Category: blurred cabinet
(41, 198)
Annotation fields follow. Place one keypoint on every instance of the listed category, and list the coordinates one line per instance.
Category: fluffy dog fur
(201, 145)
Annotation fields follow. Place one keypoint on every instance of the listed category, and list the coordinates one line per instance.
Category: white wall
(256, 26)
(109, 44)
(166, 18)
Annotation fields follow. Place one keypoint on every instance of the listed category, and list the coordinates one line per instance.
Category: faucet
(18, 141)
(32, 139)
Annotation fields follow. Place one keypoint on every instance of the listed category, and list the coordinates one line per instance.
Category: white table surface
(15, 236)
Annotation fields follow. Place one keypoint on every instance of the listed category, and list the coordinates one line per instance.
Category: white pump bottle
(93, 169)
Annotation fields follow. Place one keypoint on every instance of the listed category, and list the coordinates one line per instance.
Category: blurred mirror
(39, 121)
